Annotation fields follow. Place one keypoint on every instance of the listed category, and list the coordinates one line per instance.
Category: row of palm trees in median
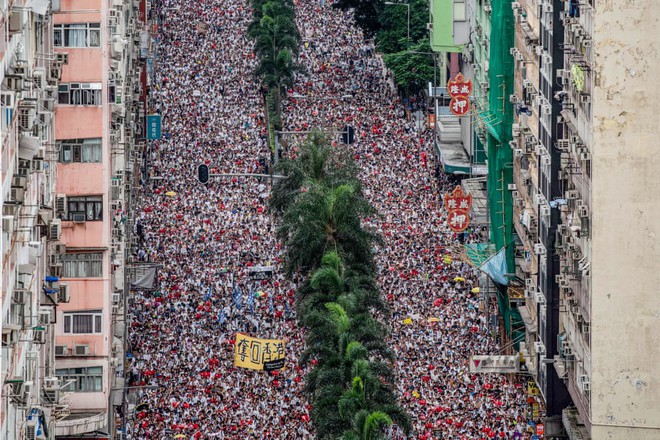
(276, 44)
(320, 209)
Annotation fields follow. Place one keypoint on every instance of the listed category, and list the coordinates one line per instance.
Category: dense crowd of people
(207, 237)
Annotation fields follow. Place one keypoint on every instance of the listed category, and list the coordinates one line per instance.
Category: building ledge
(81, 423)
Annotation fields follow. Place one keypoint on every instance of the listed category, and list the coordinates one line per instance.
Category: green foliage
(320, 210)
(276, 45)
(412, 71)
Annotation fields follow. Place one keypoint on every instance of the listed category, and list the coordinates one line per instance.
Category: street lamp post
(407, 5)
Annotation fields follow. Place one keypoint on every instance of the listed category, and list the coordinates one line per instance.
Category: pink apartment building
(92, 119)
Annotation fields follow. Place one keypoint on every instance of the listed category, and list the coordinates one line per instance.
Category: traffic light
(203, 174)
(348, 136)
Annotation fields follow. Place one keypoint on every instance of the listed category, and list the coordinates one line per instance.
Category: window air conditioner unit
(79, 218)
(429, 26)
(539, 347)
(19, 182)
(572, 194)
(583, 211)
(538, 50)
(585, 98)
(55, 229)
(539, 249)
(19, 296)
(583, 381)
(45, 316)
(515, 129)
(39, 337)
(513, 99)
(62, 58)
(61, 350)
(544, 210)
(515, 6)
(81, 350)
(546, 109)
(18, 195)
(539, 199)
(60, 203)
(8, 224)
(539, 298)
(51, 390)
(63, 295)
(511, 187)
(488, 9)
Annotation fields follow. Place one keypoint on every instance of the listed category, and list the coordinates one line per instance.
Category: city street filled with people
(207, 237)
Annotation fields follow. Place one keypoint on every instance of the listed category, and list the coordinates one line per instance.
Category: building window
(83, 322)
(83, 265)
(80, 150)
(77, 35)
(83, 379)
(79, 94)
(85, 208)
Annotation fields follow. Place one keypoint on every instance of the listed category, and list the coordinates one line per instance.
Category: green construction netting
(500, 157)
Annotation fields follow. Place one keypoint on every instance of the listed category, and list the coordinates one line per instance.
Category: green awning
(491, 120)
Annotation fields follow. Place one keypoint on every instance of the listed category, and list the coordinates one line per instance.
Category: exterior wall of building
(104, 120)
(625, 231)
(526, 168)
(89, 294)
(29, 82)
(447, 34)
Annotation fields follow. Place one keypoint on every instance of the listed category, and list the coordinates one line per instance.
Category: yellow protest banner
(259, 354)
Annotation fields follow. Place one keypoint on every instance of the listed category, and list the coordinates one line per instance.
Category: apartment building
(582, 158)
(96, 123)
(31, 294)
(584, 214)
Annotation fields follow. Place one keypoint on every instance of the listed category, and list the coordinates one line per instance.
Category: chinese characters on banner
(459, 90)
(458, 203)
(259, 354)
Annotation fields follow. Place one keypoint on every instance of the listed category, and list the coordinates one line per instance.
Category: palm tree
(333, 341)
(277, 42)
(354, 288)
(368, 426)
(317, 163)
(323, 219)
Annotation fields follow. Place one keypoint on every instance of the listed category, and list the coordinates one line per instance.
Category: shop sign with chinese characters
(458, 203)
(459, 90)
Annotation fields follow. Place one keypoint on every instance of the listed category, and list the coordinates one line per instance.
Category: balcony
(81, 423)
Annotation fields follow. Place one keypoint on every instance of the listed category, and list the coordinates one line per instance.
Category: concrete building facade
(31, 293)
(584, 150)
(95, 129)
